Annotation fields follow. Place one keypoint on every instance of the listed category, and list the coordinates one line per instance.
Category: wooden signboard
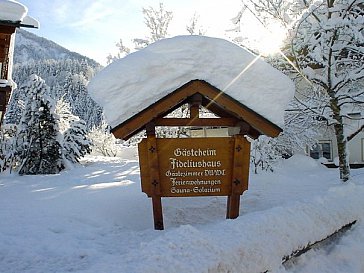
(195, 167)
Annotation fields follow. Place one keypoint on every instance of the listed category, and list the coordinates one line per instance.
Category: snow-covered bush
(300, 132)
(103, 142)
(264, 154)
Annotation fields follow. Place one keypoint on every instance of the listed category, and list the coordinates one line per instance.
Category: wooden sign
(195, 167)
(190, 167)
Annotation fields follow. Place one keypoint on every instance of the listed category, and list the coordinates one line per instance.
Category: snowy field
(94, 218)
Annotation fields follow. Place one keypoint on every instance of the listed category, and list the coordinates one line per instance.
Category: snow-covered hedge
(255, 242)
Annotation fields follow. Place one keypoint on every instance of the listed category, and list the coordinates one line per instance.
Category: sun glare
(266, 40)
(271, 40)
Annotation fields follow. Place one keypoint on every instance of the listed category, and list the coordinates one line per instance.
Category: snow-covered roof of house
(129, 85)
(13, 11)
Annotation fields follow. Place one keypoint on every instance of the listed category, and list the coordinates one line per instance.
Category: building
(326, 149)
(13, 15)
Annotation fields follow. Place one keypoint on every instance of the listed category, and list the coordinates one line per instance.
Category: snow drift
(96, 219)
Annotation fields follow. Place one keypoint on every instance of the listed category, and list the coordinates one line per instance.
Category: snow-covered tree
(39, 151)
(122, 52)
(194, 27)
(264, 153)
(326, 49)
(296, 137)
(73, 139)
(67, 79)
(8, 147)
(48, 137)
(157, 21)
(103, 142)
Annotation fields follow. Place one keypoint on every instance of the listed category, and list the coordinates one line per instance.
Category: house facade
(326, 148)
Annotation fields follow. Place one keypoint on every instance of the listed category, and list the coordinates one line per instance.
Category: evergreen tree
(39, 149)
(8, 144)
(74, 142)
(48, 137)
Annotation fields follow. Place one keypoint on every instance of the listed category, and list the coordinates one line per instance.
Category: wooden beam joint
(195, 103)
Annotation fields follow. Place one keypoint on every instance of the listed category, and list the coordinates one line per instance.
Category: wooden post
(195, 103)
(233, 206)
(233, 201)
(240, 175)
(154, 177)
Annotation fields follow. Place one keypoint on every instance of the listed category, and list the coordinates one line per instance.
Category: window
(322, 149)
(315, 152)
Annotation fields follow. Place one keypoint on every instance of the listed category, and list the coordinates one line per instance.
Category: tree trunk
(341, 142)
(343, 156)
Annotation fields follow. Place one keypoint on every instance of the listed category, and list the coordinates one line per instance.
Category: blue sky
(93, 27)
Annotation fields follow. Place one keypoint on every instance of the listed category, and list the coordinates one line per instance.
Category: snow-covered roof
(12, 11)
(16, 12)
(30, 21)
(129, 85)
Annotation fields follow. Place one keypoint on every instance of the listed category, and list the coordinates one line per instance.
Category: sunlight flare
(271, 39)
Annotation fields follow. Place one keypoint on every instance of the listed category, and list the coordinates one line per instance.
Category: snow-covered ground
(94, 218)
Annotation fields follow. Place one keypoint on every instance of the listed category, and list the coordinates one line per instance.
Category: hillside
(66, 73)
(29, 46)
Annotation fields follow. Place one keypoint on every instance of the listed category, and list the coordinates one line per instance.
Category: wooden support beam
(195, 104)
(233, 201)
(216, 109)
(217, 101)
(230, 122)
(233, 206)
(157, 213)
(154, 177)
(240, 175)
(3, 56)
(7, 29)
(150, 129)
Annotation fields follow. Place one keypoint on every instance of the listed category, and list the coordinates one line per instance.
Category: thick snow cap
(16, 12)
(30, 21)
(12, 11)
(129, 85)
